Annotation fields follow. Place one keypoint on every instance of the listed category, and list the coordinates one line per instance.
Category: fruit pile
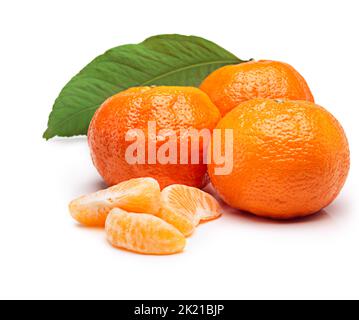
(290, 156)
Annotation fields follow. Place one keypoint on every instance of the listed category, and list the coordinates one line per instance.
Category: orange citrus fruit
(135, 195)
(143, 233)
(170, 108)
(231, 85)
(290, 158)
(185, 207)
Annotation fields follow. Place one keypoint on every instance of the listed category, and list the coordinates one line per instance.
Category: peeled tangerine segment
(143, 233)
(135, 195)
(185, 207)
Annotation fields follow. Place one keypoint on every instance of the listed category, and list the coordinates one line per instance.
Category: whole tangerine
(233, 84)
(169, 108)
(290, 158)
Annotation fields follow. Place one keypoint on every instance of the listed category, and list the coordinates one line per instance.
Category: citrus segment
(185, 207)
(143, 233)
(135, 195)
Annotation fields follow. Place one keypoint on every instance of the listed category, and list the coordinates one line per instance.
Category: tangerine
(170, 108)
(290, 158)
(233, 84)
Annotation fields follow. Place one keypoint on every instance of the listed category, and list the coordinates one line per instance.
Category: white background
(44, 254)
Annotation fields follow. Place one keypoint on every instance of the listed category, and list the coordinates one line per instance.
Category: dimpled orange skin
(291, 158)
(172, 108)
(231, 85)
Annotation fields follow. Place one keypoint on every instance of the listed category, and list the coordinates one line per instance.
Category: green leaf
(159, 60)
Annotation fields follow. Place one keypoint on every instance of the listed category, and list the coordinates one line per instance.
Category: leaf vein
(163, 75)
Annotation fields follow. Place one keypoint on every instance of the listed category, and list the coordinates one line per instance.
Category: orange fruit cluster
(290, 156)
(138, 217)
